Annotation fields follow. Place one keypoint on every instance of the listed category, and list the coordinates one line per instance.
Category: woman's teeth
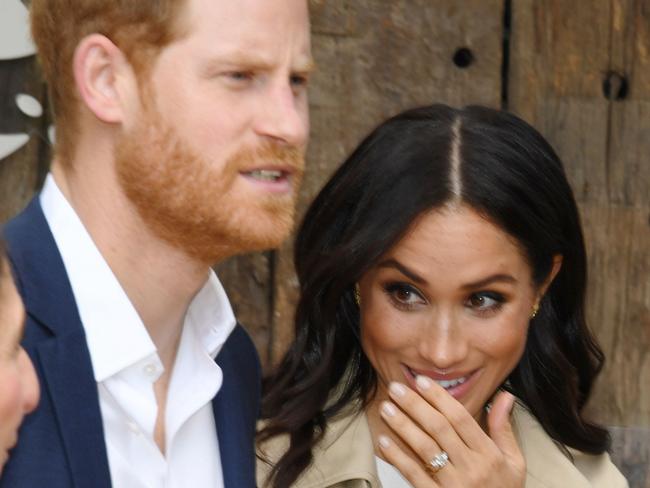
(451, 383)
(266, 174)
(446, 384)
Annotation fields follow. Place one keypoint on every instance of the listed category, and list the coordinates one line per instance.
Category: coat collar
(64, 358)
(67, 369)
(234, 414)
(40, 273)
(548, 465)
(345, 454)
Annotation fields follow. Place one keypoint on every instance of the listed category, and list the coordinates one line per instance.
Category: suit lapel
(65, 359)
(233, 420)
(71, 385)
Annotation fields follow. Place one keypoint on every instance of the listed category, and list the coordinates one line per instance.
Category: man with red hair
(181, 130)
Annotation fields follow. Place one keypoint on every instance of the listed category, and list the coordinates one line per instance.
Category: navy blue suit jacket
(61, 444)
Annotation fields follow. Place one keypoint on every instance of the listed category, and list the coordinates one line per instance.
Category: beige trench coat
(345, 459)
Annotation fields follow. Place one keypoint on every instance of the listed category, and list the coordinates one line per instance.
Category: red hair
(140, 28)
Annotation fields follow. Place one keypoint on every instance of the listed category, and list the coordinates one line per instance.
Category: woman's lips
(457, 384)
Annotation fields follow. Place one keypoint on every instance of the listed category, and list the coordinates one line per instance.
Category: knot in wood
(463, 57)
(615, 86)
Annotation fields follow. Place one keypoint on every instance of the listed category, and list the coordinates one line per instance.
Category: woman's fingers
(419, 441)
(430, 421)
(433, 425)
(501, 431)
(413, 471)
(462, 421)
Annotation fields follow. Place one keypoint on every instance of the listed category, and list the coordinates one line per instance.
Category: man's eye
(240, 76)
(299, 80)
(404, 294)
(485, 301)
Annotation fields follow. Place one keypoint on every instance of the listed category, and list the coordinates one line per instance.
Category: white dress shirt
(126, 366)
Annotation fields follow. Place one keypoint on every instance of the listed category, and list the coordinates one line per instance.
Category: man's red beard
(198, 207)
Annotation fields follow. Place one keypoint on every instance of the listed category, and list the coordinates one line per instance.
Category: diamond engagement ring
(438, 462)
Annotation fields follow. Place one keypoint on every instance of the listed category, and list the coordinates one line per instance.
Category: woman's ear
(555, 269)
(100, 70)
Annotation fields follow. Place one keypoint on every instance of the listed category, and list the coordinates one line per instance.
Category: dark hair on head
(420, 160)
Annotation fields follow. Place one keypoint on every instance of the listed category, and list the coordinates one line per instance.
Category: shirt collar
(211, 315)
(116, 336)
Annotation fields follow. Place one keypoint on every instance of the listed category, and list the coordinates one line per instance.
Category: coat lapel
(71, 385)
(66, 366)
(234, 415)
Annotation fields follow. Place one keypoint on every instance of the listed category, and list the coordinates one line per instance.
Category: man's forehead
(259, 37)
(232, 14)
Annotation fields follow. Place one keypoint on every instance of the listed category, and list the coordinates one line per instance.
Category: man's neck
(160, 280)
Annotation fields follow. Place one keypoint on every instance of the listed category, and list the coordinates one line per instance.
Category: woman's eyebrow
(496, 278)
(409, 273)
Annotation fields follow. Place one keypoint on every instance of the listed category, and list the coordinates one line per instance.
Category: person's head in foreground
(445, 254)
(192, 115)
(18, 385)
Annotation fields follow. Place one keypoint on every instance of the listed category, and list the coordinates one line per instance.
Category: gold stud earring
(533, 314)
(357, 295)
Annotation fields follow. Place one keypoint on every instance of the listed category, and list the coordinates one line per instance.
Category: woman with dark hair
(442, 275)
(18, 385)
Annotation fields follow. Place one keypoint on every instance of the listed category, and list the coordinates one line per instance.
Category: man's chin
(268, 236)
(254, 235)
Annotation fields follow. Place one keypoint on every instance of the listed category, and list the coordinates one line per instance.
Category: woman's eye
(485, 301)
(404, 294)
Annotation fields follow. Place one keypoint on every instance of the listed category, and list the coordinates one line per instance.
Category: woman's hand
(433, 421)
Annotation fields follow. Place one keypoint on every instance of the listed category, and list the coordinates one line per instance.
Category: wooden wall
(579, 71)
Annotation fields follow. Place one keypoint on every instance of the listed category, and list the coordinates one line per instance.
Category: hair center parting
(454, 173)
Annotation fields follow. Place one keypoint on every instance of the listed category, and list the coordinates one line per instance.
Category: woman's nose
(444, 344)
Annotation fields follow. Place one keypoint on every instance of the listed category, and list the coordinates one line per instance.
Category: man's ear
(555, 269)
(102, 74)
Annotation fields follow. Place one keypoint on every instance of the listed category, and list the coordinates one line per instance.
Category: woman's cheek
(10, 404)
(385, 330)
(505, 340)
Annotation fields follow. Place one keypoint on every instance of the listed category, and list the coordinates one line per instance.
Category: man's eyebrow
(409, 273)
(306, 67)
(496, 278)
(251, 60)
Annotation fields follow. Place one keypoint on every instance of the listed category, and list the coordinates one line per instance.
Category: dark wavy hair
(422, 159)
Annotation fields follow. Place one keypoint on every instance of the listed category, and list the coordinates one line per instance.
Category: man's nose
(284, 115)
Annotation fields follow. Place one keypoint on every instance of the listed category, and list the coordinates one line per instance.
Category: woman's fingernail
(423, 382)
(384, 442)
(397, 389)
(388, 409)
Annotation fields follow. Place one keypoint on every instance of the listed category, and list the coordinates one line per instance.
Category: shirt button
(133, 427)
(150, 369)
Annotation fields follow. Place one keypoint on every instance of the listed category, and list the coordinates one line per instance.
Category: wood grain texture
(631, 452)
(562, 55)
(629, 137)
(559, 52)
(618, 306)
(376, 58)
(247, 280)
